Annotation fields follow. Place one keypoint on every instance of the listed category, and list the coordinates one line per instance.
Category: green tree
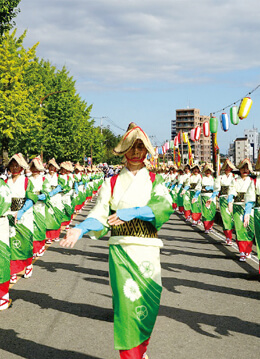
(110, 141)
(8, 10)
(16, 115)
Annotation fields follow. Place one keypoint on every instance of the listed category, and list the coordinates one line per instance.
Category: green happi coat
(54, 206)
(186, 195)
(208, 213)
(21, 233)
(5, 253)
(179, 189)
(67, 196)
(194, 186)
(243, 191)
(222, 184)
(40, 186)
(257, 214)
(134, 259)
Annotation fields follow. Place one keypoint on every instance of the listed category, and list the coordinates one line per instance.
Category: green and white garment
(178, 190)
(208, 213)
(246, 187)
(224, 181)
(186, 195)
(173, 192)
(54, 206)
(257, 216)
(5, 253)
(21, 233)
(40, 186)
(194, 186)
(67, 195)
(134, 262)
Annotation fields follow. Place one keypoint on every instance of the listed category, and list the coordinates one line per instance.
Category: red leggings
(135, 353)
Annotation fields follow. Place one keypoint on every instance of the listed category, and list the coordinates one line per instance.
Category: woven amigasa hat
(67, 165)
(244, 162)
(208, 166)
(54, 163)
(18, 157)
(227, 163)
(78, 167)
(181, 168)
(195, 166)
(132, 134)
(37, 162)
(174, 167)
(257, 166)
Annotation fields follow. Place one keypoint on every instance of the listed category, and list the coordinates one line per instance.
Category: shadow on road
(100, 257)
(28, 349)
(45, 301)
(224, 325)
(54, 266)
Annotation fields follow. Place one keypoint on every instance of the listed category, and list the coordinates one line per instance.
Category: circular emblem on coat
(141, 312)
(147, 269)
(16, 243)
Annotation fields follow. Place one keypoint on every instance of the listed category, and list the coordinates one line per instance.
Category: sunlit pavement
(209, 309)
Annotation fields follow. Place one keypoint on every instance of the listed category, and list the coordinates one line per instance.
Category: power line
(234, 103)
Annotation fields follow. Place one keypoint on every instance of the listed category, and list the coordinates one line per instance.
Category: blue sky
(141, 60)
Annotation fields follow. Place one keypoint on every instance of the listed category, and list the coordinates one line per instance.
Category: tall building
(242, 149)
(231, 152)
(186, 120)
(252, 136)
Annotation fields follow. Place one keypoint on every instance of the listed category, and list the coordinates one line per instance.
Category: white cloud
(123, 42)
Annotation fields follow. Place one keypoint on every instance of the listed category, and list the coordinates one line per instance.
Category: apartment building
(186, 120)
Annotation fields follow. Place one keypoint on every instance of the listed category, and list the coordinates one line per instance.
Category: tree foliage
(8, 10)
(41, 111)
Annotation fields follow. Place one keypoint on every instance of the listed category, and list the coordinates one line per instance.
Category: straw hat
(243, 163)
(67, 165)
(195, 166)
(37, 162)
(181, 168)
(132, 134)
(18, 157)
(54, 163)
(257, 166)
(227, 163)
(78, 167)
(174, 167)
(208, 166)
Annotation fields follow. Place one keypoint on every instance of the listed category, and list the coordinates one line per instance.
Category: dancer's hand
(230, 207)
(71, 238)
(246, 220)
(113, 220)
(208, 203)
(193, 200)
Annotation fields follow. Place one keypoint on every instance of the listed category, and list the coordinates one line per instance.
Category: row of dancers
(35, 202)
(236, 191)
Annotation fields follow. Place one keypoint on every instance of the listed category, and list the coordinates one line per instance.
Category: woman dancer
(208, 205)
(140, 204)
(54, 207)
(240, 192)
(21, 224)
(5, 253)
(221, 186)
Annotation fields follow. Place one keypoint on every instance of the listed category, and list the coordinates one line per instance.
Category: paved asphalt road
(210, 306)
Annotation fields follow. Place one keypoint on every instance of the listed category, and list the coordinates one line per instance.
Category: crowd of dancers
(195, 191)
(35, 202)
